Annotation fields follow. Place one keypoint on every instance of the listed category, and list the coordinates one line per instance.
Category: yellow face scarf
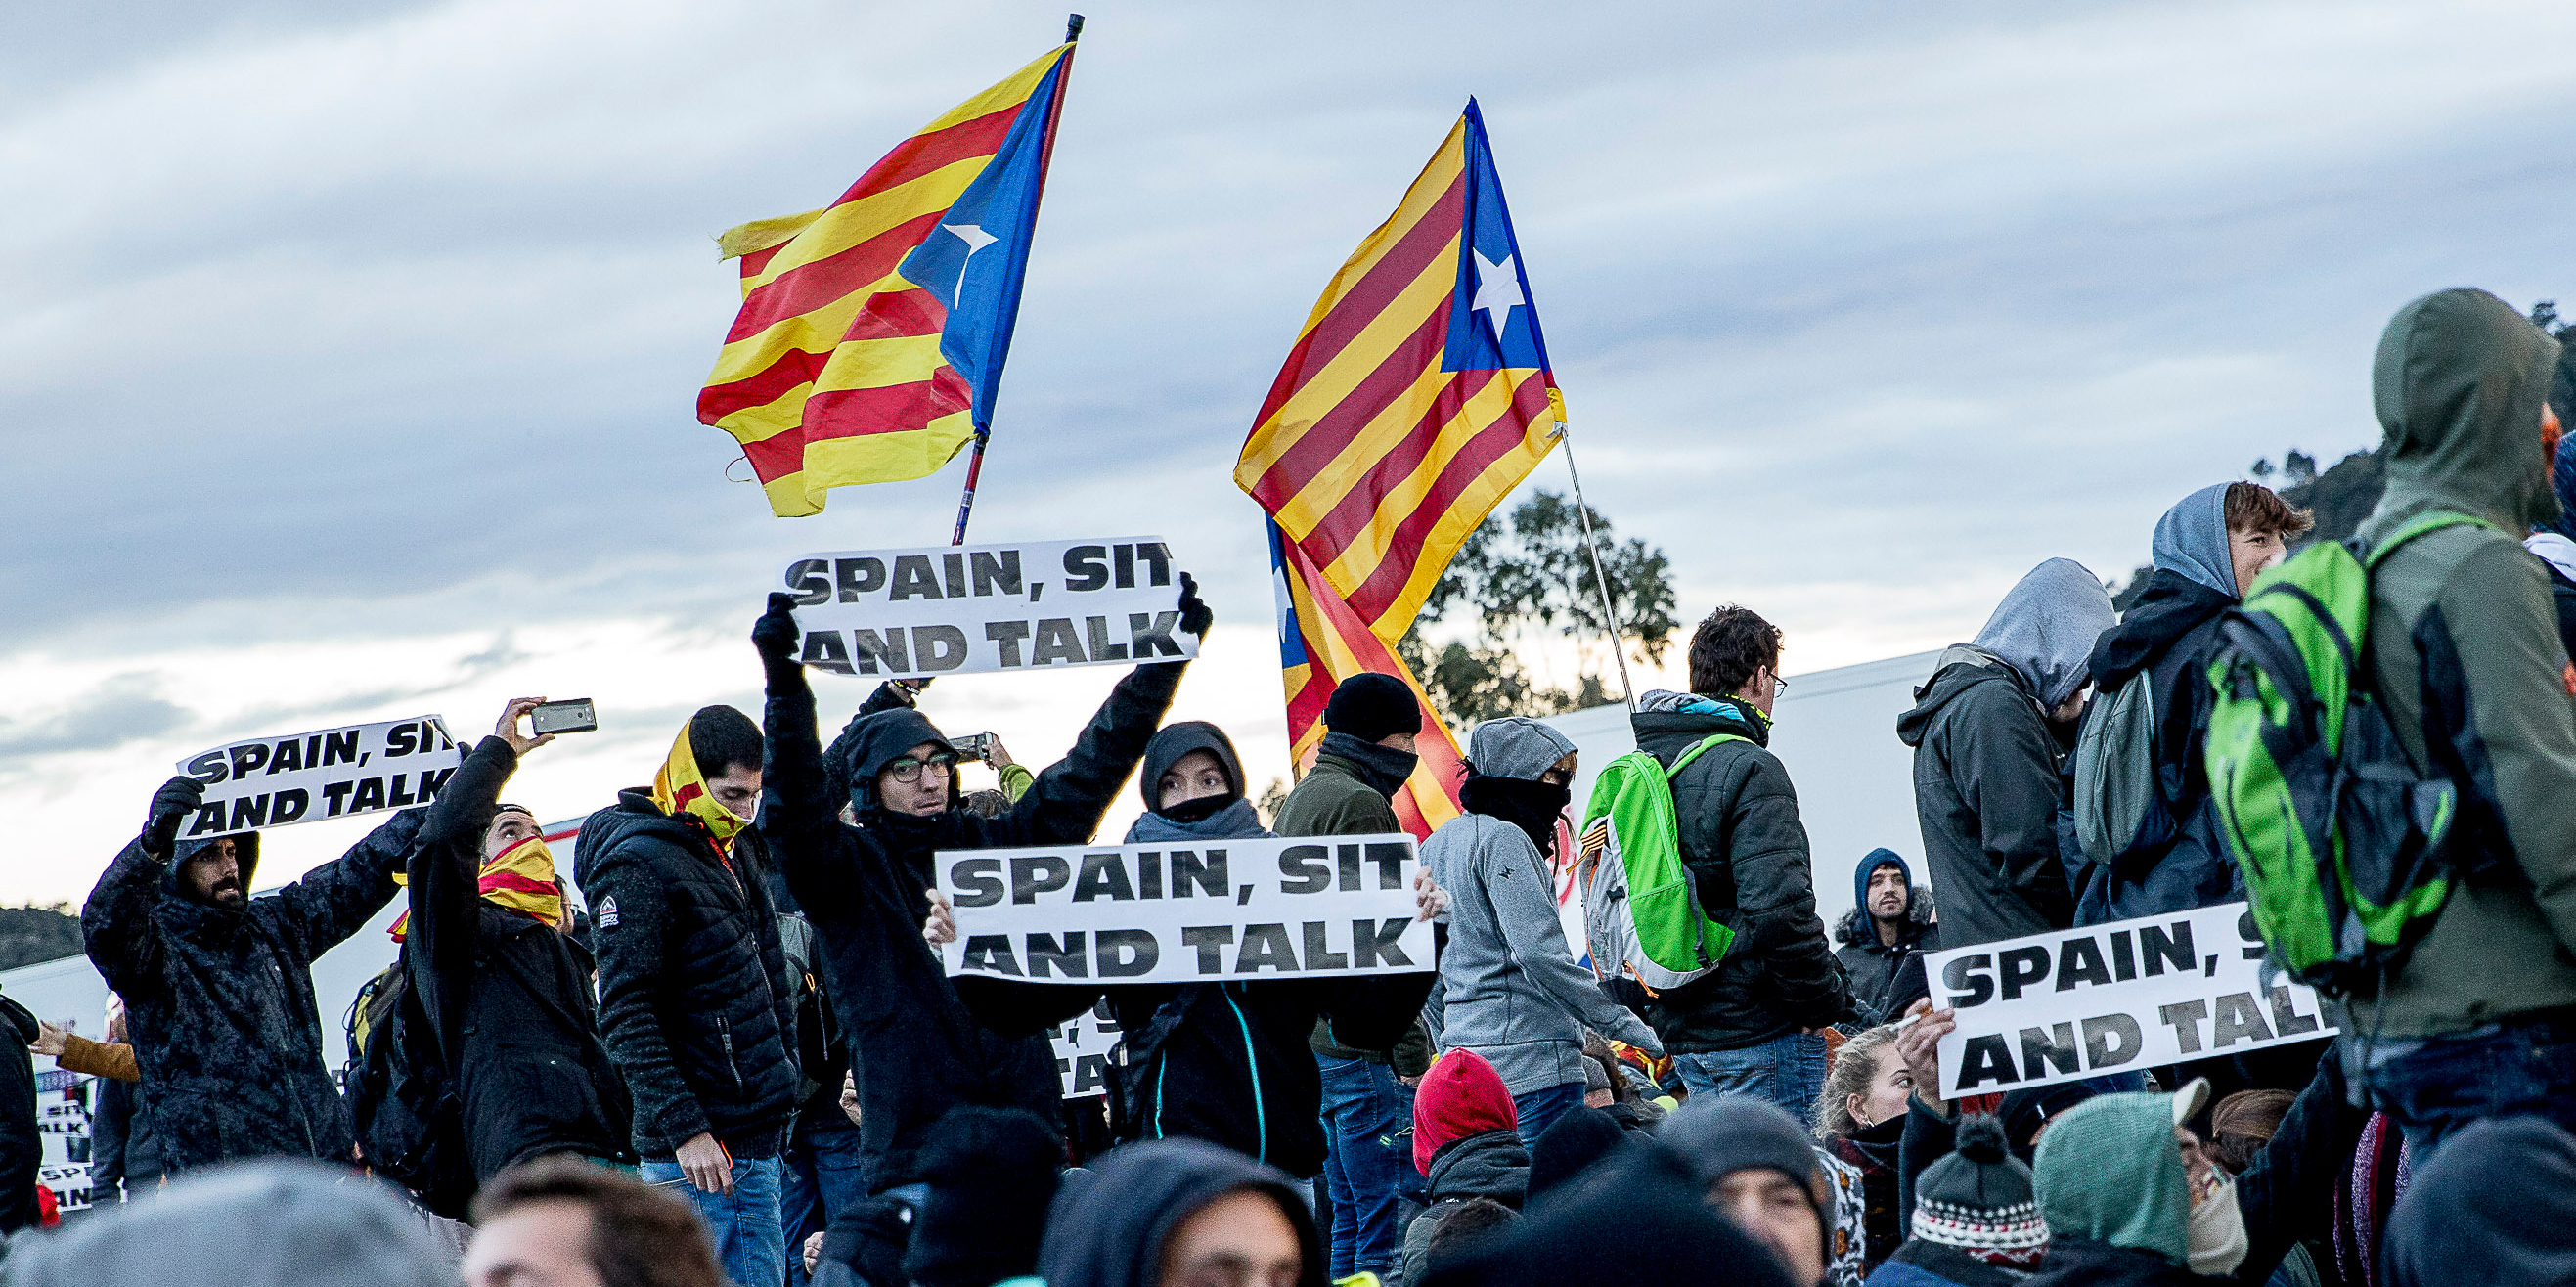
(521, 878)
(680, 791)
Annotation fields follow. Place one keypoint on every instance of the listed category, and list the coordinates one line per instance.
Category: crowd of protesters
(742, 1061)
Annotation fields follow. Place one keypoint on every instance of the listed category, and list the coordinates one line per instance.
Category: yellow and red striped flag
(873, 331)
(1418, 395)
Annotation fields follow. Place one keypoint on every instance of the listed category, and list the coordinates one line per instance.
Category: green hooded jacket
(2108, 1171)
(2458, 384)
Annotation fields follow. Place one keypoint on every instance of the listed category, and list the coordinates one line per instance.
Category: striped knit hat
(1979, 1199)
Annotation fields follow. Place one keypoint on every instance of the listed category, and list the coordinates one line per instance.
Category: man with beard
(218, 986)
(1888, 928)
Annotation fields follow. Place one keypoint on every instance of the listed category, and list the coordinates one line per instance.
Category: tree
(1529, 580)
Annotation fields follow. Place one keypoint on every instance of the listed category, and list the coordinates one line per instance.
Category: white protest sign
(2079, 1003)
(356, 768)
(1082, 1047)
(961, 609)
(1229, 909)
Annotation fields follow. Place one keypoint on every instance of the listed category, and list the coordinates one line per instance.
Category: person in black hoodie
(1884, 937)
(218, 986)
(1222, 1062)
(1178, 1213)
(865, 884)
(694, 999)
(506, 989)
(1752, 1026)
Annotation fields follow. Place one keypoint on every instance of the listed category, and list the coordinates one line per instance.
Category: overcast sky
(348, 352)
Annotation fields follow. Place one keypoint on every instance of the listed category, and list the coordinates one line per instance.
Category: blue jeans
(1539, 1109)
(750, 1246)
(1788, 1070)
(2432, 1086)
(1368, 1168)
(824, 1175)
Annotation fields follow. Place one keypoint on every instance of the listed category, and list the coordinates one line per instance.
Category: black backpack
(411, 1126)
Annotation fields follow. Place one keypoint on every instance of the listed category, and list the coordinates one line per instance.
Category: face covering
(1531, 806)
(521, 878)
(679, 790)
(1200, 809)
(2216, 1235)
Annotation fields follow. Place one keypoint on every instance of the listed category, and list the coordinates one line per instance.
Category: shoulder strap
(1714, 741)
(2429, 521)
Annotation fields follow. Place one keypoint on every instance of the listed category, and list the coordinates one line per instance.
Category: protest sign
(2079, 1003)
(1227, 909)
(1082, 1046)
(356, 768)
(951, 610)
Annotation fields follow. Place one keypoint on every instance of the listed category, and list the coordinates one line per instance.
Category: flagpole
(1600, 578)
(966, 502)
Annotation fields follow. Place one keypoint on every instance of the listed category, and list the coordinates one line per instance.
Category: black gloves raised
(775, 633)
(171, 805)
(1195, 616)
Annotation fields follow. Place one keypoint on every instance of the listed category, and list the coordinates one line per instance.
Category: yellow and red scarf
(681, 791)
(521, 878)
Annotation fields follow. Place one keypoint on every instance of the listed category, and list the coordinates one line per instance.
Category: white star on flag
(976, 239)
(1498, 286)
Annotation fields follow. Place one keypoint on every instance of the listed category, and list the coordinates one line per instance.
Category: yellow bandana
(680, 791)
(521, 878)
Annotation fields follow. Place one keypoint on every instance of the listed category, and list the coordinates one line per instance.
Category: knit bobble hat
(1980, 1199)
(1370, 706)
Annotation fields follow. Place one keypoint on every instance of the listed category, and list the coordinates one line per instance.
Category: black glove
(775, 633)
(1195, 616)
(171, 806)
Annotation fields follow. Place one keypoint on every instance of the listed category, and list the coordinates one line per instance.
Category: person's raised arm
(446, 869)
(797, 819)
(116, 921)
(334, 900)
(2287, 1193)
(1066, 802)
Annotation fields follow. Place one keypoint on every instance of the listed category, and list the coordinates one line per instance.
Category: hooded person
(696, 1005)
(1467, 1143)
(272, 1223)
(1509, 988)
(1641, 1217)
(2208, 549)
(218, 986)
(2115, 1191)
(1890, 923)
(1170, 1213)
(916, 1050)
(1988, 732)
(1755, 1164)
(506, 989)
(2479, 1018)
(2496, 1208)
(1225, 1062)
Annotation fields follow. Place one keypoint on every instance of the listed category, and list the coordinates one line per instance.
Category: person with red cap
(1466, 1139)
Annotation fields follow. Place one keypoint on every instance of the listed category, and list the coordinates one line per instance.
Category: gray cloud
(125, 708)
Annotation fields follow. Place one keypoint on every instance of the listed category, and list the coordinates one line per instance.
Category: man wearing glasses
(863, 878)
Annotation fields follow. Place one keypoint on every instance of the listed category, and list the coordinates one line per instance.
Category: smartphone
(574, 716)
(974, 746)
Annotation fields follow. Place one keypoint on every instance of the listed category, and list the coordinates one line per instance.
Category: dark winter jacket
(220, 1002)
(1111, 1231)
(1873, 966)
(1747, 851)
(508, 996)
(1492, 1165)
(1917, 1263)
(917, 1050)
(1986, 792)
(1223, 1062)
(2180, 863)
(693, 989)
(22, 1149)
(2082, 1262)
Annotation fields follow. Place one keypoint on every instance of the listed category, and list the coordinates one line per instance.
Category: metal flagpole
(1601, 578)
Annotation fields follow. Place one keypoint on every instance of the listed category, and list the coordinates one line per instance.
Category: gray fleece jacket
(1510, 990)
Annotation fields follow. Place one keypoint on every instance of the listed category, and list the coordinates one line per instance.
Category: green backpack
(2342, 844)
(1641, 912)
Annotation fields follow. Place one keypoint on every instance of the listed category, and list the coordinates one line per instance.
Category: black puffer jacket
(693, 990)
(1986, 790)
(915, 1048)
(220, 1003)
(1741, 838)
(507, 994)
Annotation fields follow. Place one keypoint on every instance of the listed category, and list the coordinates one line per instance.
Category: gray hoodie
(2046, 627)
(1511, 991)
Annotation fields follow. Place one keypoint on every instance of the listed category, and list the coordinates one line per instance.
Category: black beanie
(1370, 706)
(991, 1173)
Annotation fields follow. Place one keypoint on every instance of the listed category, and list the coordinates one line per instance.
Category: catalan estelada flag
(1321, 643)
(1416, 398)
(873, 331)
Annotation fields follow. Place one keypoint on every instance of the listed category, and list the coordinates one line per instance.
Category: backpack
(410, 1124)
(2118, 804)
(817, 1032)
(2343, 846)
(1641, 912)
